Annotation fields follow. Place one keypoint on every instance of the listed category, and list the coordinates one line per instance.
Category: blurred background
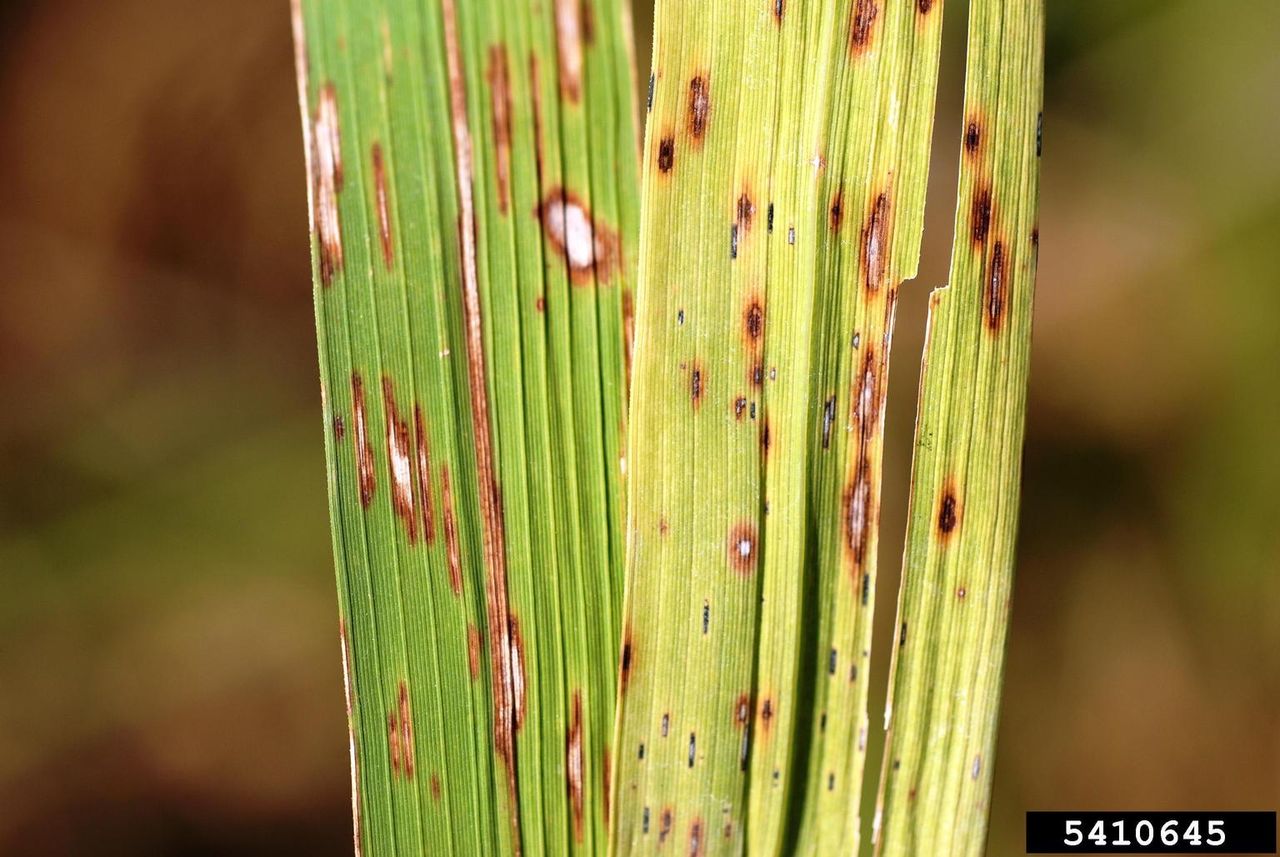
(169, 669)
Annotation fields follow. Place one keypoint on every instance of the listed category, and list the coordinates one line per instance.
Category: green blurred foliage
(168, 656)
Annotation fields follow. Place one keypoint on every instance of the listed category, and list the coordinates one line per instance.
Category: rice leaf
(953, 609)
(783, 187)
(473, 196)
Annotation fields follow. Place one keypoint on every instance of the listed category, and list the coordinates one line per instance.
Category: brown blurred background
(169, 674)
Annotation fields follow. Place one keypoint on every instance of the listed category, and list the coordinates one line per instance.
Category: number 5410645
(1144, 833)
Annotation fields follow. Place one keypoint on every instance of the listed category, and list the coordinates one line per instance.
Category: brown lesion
(665, 821)
(766, 436)
(746, 211)
(836, 209)
(742, 711)
(753, 321)
(498, 76)
(435, 787)
(364, 449)
(699, 114)
(327, 180)
(627, 658)
(996, 287)
(398, 462)
(875, 241)
(591, 251)
(973, 137)
(573, 765)
(779, 10)
(743, 548)
(765, 718)
(697, 384)
(924, 7)
(858, 500)
(862, 26)
(380, 198)
(697, 838)
(400, 736)
(666, 154)
(980, 215)
(948, 509)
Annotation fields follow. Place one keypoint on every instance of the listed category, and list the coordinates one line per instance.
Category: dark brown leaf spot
(666, 820)
(746, 211)
(779, 7)
(573, 767)
(380, 197)
(450, 532)
(973, 137)
(591, 250)
(628, 658)
(995, 302)
(699, 107)
(743, 548)
(435, 787)
(339, 428)
(742, 710)
(498, 77)
(364, 450)
(766, 439)
(753, 321)
(862, 25)
(924, 6)
(696, 385)
(948, 511)
(666, 154)
(980, 218)
(902, 635)
(875, 242)
(739, 407)
(837, 209)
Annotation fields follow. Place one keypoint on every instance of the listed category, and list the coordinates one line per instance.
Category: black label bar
(1151, 833)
